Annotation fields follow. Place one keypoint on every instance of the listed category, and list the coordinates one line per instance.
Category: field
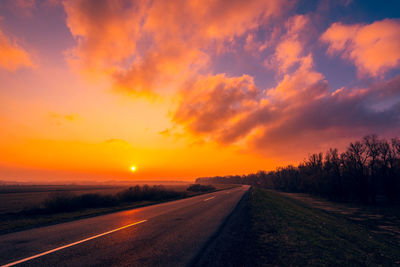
(17, 198)
(291, 232)
(20, 205)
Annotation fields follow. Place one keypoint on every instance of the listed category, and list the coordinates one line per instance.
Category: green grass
(288, 232)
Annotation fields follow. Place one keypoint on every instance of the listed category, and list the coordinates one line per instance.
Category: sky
(184, 89)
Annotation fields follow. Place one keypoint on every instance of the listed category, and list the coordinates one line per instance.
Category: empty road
(167, 234)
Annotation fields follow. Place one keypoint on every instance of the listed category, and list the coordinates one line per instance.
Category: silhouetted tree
(367, 169)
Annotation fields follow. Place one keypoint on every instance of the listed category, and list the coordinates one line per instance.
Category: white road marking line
(207, 199)
(70, 245)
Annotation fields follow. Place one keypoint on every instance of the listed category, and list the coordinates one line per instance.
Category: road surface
(167, 234)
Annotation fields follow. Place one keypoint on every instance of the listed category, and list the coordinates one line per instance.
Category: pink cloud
(290, 50)
(374, 48)
(12, 56)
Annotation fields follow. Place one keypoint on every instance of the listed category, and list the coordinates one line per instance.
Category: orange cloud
(212, 104)
(158, 70)
(295, 63)
(106, 32)
(289, 52)
(12, 56)
(296, 84)
(206, 21)
(152, 45)
(374, 48)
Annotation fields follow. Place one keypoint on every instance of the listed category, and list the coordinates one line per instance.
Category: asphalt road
(167, 234)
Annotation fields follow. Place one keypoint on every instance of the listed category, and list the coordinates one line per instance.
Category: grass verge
(287, 232)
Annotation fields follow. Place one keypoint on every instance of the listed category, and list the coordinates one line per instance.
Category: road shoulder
(228, 246)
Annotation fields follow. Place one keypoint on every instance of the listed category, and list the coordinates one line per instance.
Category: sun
(133, 168)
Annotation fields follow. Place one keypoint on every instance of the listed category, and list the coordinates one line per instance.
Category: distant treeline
(369, 169)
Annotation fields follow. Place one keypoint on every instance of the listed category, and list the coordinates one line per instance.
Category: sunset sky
(183, 89)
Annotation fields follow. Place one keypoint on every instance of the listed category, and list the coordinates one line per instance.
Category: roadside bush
(200, 188)
(64, 202)
(157, 192)
(67, 202)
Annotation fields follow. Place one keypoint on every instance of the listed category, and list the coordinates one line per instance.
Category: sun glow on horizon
(133, 168)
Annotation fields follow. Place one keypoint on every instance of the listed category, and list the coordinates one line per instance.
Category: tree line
(369, 170)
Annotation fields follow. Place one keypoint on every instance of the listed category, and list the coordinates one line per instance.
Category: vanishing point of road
(167, 234)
